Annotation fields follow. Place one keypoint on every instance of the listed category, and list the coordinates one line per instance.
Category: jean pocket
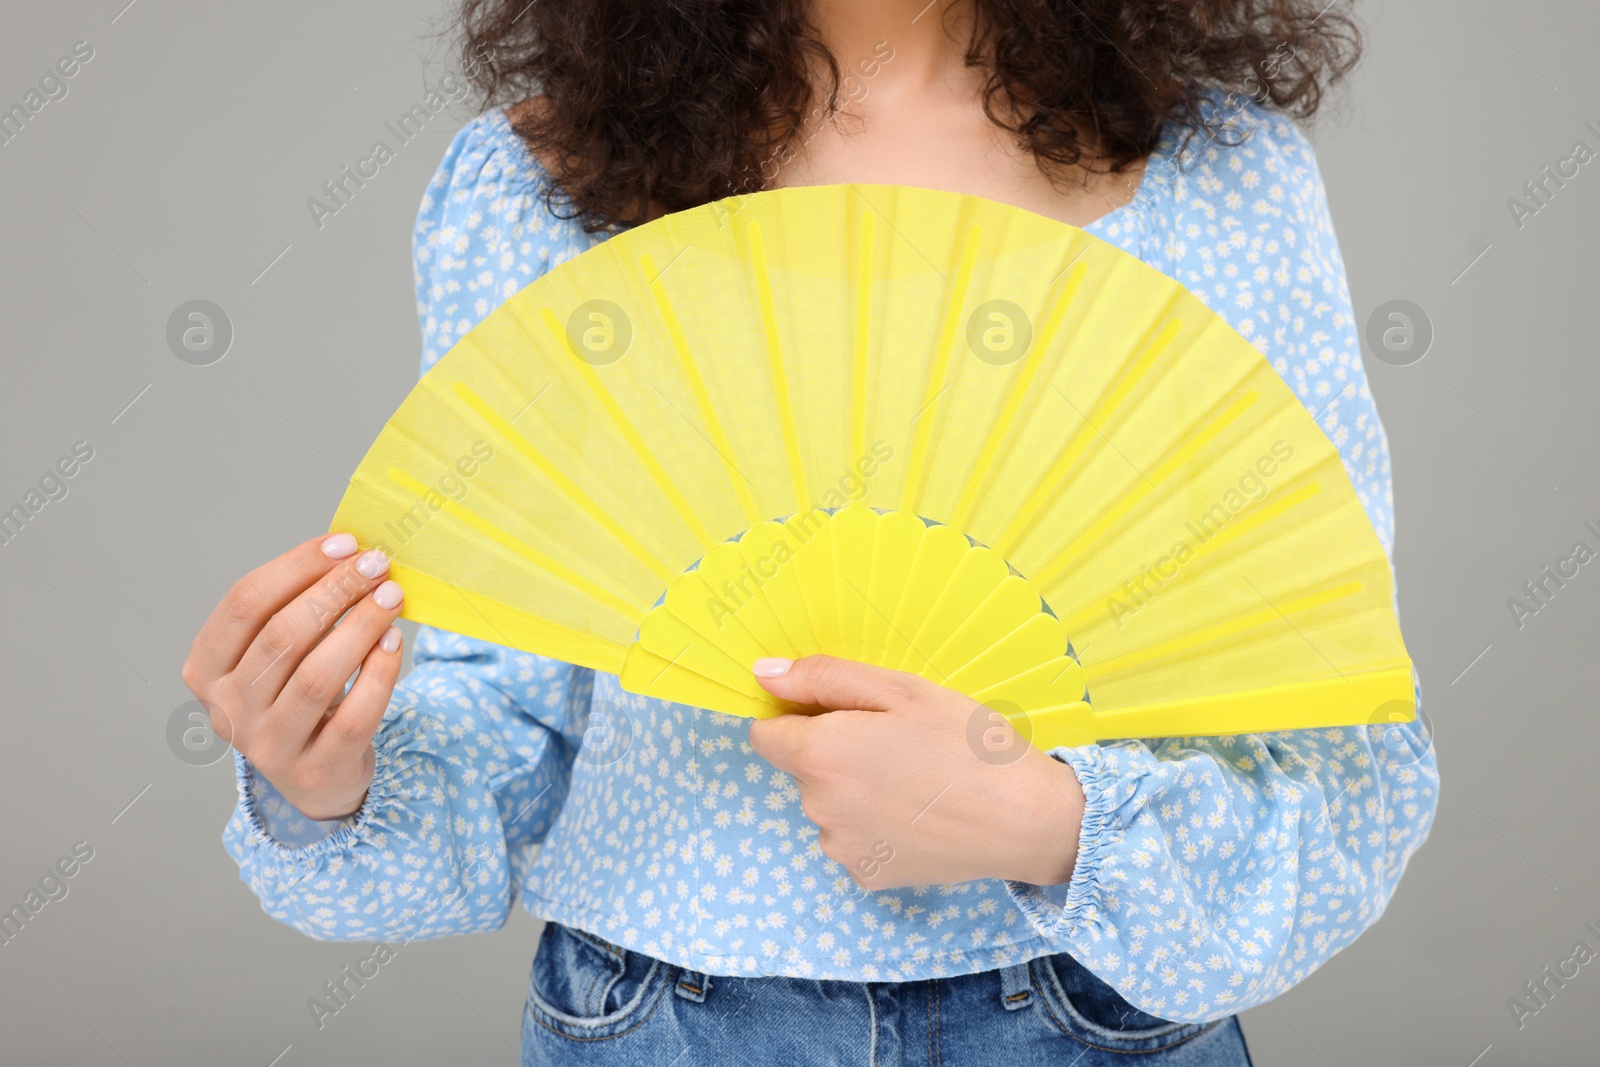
(586, 988)
(1094, 1013)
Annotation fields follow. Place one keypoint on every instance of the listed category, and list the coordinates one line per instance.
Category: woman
(717, 890)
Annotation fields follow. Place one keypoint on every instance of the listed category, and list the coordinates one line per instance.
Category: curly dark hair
(674, 103)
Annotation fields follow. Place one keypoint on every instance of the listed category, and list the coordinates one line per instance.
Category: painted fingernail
(387, 595)
(373, 563)
(339, 546)
(772, 667)
(390, 641)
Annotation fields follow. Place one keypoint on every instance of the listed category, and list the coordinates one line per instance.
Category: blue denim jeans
(592, 1002)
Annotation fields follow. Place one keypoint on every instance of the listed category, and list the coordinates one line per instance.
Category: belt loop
(693, 985)
(1016, 987)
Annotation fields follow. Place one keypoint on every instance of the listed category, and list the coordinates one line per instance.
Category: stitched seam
(928, 1011)
(1053, 982)
(537, 1017)
(1067, 1030)
(595, 940)
(614, 953)
(872, 1019)
(588, 994)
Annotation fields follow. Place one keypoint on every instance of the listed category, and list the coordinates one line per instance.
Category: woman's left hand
(911, 783)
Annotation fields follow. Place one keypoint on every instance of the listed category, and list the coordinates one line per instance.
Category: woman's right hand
(270, 666)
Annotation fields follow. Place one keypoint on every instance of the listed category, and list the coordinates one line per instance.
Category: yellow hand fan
(918, 429)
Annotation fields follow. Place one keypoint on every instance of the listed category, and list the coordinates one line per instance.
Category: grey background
(178, 168)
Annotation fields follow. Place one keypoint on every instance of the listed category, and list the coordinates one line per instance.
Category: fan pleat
(862, 333)
(1006, 419)
(941, 551)
(894, 550)
(1083, 439)
(774, 349)
(938, 367)
(546, 466)
(540, 559)
(663, 481)
(713, 428)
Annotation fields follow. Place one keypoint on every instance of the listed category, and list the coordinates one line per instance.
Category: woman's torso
(675, 839)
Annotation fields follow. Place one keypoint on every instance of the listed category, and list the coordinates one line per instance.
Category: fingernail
(390, 641)
(772, 667)
(372, 564)
(339, 546)
(387, 595)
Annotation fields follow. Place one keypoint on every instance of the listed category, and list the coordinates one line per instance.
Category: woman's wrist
(1050, 805)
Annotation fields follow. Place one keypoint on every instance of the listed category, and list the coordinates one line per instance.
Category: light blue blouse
(1213, 872)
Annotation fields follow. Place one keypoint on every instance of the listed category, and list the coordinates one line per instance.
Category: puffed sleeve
(475, 751)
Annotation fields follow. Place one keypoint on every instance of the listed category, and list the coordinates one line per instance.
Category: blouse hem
(939, 963)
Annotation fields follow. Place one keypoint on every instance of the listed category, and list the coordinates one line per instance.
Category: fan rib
(780, 378)
(1062, 665)
(742, 585)
(863, 339)
(781, 590)
(976, 482)
(912, 493)
(960, 636)
(1080, 621)
(569, 643)
(1228, 628)
(702, 396)
(963, 630)
(567, 486)
(979, 569)
(644, 670)
(1022, 523)
(624, 427)
(855, 530)
(521, 548)
(1142, 488)
(1356, 700)
(926, 580)
(662, 632)
(683, 602)
(813, 565)
(899, 536)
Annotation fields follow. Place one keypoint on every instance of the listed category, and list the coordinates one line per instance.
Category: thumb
(781, 739)
(833, 683)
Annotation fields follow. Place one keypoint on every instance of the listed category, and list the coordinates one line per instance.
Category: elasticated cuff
(293, 841)
(269, 818)
(1058, 911)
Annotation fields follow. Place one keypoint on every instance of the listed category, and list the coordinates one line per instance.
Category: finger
(234, 623)
(782, 739)
(321, 676)
(836, 683)
(294, 630)
(357, 717)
